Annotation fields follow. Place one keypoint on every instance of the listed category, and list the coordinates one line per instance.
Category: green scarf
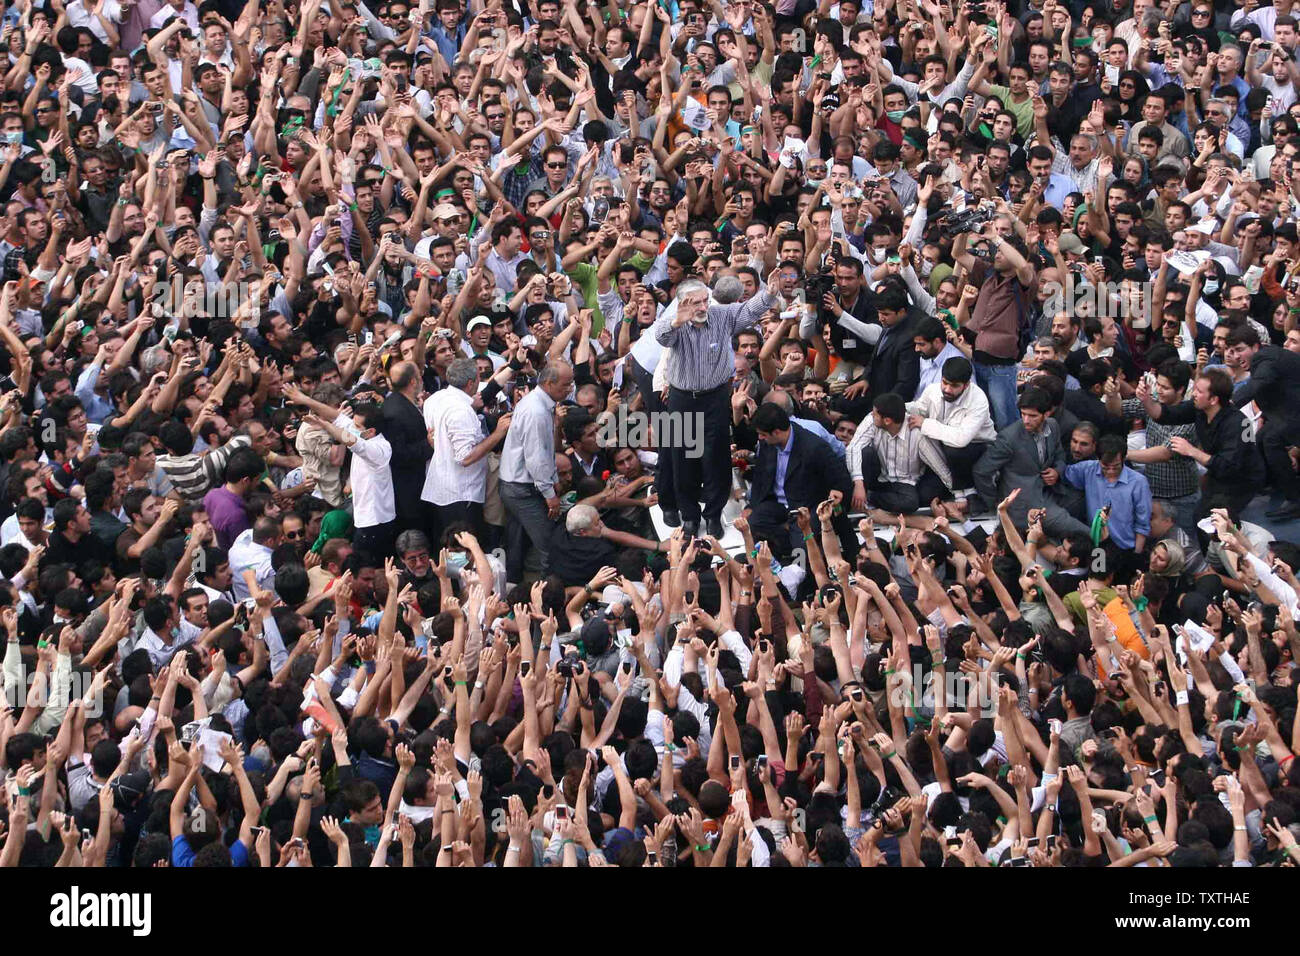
(335, 524)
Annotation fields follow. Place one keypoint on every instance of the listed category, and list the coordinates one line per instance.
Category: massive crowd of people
(334, 533)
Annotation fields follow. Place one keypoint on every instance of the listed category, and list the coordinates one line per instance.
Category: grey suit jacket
(1012, 461)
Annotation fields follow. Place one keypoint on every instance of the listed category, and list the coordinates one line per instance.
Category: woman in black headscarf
(1131, 89)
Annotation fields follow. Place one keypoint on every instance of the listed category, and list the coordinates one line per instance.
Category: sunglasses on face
(557, 165)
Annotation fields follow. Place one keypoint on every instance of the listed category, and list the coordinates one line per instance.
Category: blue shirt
(1236, 386)
(1058, 187)
(448, 44)
(816, 427)
(783, 460)
(1129, 498)
(97, 409)
(183, 854)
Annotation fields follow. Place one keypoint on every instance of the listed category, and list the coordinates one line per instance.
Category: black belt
(700, 392)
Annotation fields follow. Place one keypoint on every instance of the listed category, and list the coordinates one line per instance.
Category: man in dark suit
(1028, 455)
(1274, 385)
(896, 365)
(405, 431)
(795, 469)
(1225, 445)
(582, 432)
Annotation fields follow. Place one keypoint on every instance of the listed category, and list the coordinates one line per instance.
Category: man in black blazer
(795, 469)
(1274, 385)
(405, 431)
(896, 366)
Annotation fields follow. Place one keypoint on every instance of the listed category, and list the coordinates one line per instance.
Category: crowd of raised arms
(696, 433)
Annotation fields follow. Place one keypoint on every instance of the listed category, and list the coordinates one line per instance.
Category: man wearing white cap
(478, 333)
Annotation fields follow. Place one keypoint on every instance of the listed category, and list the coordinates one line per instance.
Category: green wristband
(1150, 819)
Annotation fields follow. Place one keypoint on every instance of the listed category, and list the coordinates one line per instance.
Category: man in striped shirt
(894, 467)
(699, 384)
(191, 475)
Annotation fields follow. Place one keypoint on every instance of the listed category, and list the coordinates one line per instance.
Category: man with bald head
(405, 430)
(529, 475)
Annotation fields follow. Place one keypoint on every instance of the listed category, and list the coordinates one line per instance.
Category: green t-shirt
(583, 275)
(1023, 112)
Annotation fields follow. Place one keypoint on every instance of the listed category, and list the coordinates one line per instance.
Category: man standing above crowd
(699, 378)
(1274, 386)
(456, 482)
(1225, 441)
(1004, 296)
(403, 426)
(528, 473)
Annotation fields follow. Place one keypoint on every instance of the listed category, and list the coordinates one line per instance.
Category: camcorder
(953, 224)
(816, 286)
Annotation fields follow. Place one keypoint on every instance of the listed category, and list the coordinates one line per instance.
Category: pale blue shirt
(97, 409)
(816, 427)
(932, 369)
(1129, 497)
(528, 456)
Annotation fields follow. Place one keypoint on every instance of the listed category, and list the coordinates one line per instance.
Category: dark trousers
(527, 523)
(412, 510)
(961, 462)
(441, 517)
(376, 541)
(706, 469)
(1274, 438)
(770, 521)
(896, 497)
(654, 403)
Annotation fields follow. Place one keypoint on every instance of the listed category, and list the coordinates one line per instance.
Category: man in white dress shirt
(250, 559)
(374, 513)
(456, 481)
